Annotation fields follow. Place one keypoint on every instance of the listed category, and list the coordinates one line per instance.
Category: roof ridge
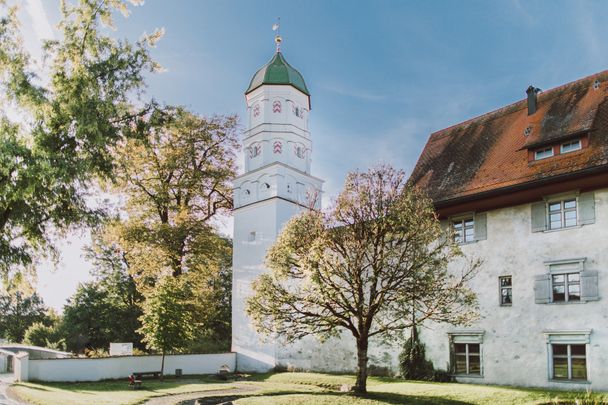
(548, 94)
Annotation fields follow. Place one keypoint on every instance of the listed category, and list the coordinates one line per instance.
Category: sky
(383, 75)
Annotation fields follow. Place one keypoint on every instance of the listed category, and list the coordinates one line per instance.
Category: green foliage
(68, 124)
(49, 336)
(18, 312)
(168, 321)
(412, 360)
(95, 316)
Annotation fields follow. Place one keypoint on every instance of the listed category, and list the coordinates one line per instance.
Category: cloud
(354, 93)
(40, 21)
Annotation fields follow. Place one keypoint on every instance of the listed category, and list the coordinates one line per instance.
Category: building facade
(525, 189)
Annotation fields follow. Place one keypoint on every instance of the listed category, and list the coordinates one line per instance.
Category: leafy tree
(168, 321)
(68, 123)
(359, 266)
(177, 180)
(18, 312)
(50, 336)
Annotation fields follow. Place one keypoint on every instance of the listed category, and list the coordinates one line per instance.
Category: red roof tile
(490, 152)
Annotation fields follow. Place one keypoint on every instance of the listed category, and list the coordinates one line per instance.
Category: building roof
(278, 71)
(490, 153)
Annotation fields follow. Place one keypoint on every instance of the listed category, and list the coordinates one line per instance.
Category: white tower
(276, 185)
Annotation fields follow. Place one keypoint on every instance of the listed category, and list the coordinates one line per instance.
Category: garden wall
(123, 366)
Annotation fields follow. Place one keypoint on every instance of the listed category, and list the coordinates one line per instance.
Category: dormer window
(543, 153)
(571, 146)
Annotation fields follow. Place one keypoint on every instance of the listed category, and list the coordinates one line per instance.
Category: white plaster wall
(123, 366)
(334, 355)
(266, 219)
(514, 347)
(21, 366)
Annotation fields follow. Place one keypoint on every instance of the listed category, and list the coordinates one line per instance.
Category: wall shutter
(586, 207)
(539, 216)
(481, 231)
(444, 224)
(589, 289)
(542, 289)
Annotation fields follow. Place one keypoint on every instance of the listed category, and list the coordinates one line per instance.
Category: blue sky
(383, 75)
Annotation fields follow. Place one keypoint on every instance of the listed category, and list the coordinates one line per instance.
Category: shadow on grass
(387, 398)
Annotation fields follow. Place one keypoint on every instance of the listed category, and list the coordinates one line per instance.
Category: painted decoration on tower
(277, 147)
(276, 107)
(254, 150)
(256, 110)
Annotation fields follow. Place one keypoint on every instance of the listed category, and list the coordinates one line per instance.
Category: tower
(276, 185)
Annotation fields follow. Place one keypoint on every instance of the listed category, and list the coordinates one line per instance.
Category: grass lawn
(296, 389)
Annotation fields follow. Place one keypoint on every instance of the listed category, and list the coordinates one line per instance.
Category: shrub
(412, 361)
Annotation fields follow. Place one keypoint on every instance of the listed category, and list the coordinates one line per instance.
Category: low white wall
(123, 366)
(21, 366)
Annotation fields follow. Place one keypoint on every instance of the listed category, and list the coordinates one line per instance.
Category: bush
(39, 334)
(413, 363)
(442, 376)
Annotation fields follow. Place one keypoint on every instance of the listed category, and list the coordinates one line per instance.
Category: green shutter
(542, 289)
(589, 289)
(586, 208)
(481, 232)
(539, 216)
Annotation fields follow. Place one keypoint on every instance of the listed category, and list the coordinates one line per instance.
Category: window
(466, 353)
(566, 281)
(566, 287)
(464, 230)
(543, 153)
(251, 237)
(570, 146)
(567, 352)
(468, 358)
(506, 294)
(562, 214)
(563, 211)
(569, 361)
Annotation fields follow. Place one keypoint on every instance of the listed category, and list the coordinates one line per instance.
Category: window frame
(566, 267)
(462, 220)
(578, 141)
(467, 338)
(536, 152)
(562, 200)
(501, 288)
(567, 338)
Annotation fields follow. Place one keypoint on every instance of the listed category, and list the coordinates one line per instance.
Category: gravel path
(205, 397)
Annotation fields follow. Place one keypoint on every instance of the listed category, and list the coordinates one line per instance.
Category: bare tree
(364, 265)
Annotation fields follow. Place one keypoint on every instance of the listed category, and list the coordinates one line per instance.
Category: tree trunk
(162, 366)
(361, 384)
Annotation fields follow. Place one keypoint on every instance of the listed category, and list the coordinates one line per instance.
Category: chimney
(532, 92)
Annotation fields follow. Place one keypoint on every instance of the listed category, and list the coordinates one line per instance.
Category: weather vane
(277, 38)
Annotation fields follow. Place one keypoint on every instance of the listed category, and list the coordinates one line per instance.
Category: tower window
(251, 236)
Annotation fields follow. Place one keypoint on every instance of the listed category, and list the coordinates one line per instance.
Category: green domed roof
(278, 71)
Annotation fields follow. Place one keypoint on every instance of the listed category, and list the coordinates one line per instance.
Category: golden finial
(277, 38)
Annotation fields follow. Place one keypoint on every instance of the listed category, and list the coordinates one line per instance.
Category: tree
(18, 312)
(50, 336)
(177, 180)
(70, 117)
(168, 322)
(361, 266)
